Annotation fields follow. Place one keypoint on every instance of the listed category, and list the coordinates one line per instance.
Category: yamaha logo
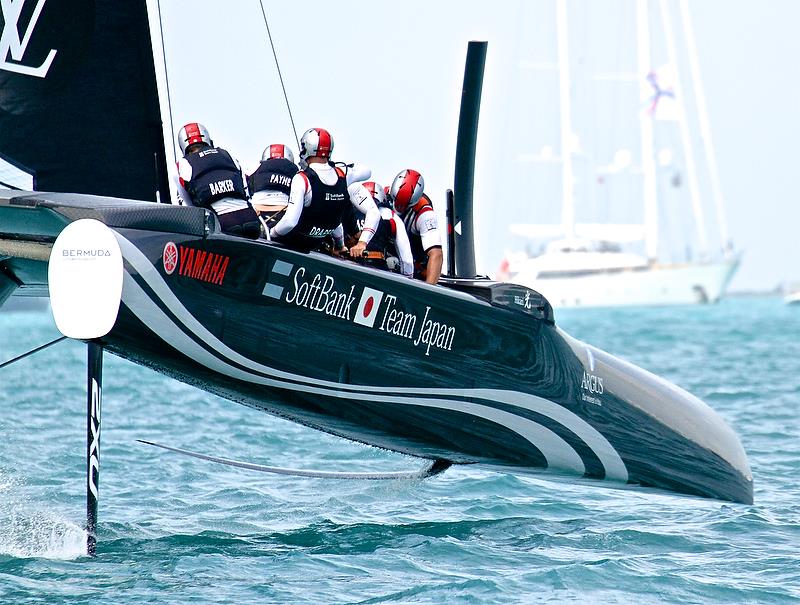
(170, 257)
(195, 263)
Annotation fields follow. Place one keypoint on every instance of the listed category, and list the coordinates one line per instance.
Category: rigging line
(10, 186)
(280, 76)
(166, 78)
(32, 351)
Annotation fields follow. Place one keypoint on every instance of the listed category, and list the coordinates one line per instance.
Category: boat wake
(26, 532)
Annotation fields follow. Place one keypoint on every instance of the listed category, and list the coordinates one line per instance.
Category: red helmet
(406, 189)
(377, 192)
(192, 133)
(315, 142)
(277, 150)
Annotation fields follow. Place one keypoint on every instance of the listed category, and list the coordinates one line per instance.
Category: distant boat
(598, 264)
(793, 298)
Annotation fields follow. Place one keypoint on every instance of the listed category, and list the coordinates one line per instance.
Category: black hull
(474, 372)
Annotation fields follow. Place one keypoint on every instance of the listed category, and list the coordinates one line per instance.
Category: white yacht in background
(592, 273)
(600, 264)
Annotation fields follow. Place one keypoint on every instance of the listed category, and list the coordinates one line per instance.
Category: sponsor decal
(201, 265)
(12, 48)
(274, 289)
(334, 197)
(402, 323)
(435, 334)
(170, 257)
(85, 253)
(319, 294)
(591, 384)
(94, 446)
(523, 301)
(375, 309)
(319, 232)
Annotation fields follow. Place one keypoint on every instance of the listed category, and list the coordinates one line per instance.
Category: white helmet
(192, 133)
(406, 189)
(277, 150)
(377, 192)
(315, 142)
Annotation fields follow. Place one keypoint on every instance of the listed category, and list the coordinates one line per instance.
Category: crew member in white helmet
(209, 177)
(318, 197)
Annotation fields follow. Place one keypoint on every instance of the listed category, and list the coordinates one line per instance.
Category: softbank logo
(12, 48)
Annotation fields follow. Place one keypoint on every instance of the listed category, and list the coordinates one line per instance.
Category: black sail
(79, 107)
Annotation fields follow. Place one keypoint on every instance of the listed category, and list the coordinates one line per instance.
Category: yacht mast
(567, 178)
(705, 129)
(646, 129)
(691, 171)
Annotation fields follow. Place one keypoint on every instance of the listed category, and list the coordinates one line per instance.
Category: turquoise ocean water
(178, 530)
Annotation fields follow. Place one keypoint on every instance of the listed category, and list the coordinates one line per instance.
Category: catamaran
(612, 264)
(469, 371)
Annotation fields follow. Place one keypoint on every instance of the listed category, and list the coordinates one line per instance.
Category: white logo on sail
(10, 43)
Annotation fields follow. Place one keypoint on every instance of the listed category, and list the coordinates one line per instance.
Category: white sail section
(162, 83)
(13, 177)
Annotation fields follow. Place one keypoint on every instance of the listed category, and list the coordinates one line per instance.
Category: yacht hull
(471, 371)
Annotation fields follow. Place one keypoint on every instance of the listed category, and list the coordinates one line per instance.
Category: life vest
(215, 175)
(327, 207)
(383, 239)
(274, 174)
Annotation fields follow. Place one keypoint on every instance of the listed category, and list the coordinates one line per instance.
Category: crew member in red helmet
(416, 209)
(318, 197)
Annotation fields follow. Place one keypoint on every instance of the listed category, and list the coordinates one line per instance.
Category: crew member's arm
(244, 177)
(432, 244)
(433, 270)
(338, 241)
(184, 176)
(299, 195)
(357, 173)
(363, 202)
(401, 242)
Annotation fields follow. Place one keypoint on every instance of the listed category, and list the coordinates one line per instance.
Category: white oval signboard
(85, 279)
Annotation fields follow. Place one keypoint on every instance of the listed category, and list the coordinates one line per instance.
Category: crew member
(416, 209)
(209, 177)
(389, 248)
(269, 184)
(318, 197)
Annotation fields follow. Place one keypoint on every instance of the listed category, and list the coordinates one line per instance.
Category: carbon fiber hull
(470, 371)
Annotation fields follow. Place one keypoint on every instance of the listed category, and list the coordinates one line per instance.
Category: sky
(385, 79)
